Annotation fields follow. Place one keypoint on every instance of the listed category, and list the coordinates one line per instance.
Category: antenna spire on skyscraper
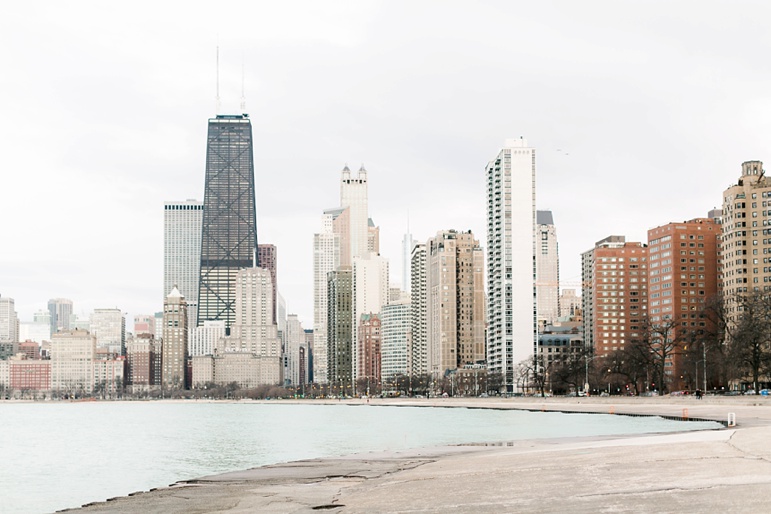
(243, 96)
(218, 76)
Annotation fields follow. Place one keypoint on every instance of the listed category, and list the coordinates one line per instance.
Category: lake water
(59, 455)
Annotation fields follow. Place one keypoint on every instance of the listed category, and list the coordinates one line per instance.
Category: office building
(547, 269)
(511, 264)
(229, 229)
(109, 327)
(182, 222)
(9, 321)
(60, 310)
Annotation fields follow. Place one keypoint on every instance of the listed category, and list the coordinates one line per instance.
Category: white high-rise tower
(9, 321)
(326, 258)
(182, 252)
(353, 195)
(511, 268)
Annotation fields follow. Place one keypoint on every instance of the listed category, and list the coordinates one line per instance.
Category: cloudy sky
(641, 114)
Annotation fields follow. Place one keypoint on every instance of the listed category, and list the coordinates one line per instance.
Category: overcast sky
(641, 114)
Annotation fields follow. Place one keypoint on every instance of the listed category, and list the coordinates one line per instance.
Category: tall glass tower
(229, 231)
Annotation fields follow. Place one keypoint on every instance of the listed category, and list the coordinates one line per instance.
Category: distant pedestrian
(698, 394)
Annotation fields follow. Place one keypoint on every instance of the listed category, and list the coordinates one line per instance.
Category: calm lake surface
(59, 455)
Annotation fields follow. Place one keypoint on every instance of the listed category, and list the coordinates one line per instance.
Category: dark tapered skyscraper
(229, 234)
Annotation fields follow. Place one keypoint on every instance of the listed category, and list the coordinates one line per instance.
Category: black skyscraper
(229, 235)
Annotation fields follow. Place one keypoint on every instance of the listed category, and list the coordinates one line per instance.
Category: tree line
(724, 346)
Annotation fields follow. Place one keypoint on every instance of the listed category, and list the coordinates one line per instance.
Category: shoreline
(693, 471)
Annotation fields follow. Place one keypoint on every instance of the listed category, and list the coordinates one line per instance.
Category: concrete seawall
(704, 471)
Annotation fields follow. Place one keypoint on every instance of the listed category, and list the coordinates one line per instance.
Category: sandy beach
(704, 471)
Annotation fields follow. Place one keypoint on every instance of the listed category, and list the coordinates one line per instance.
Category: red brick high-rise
(614, 294)
(683, 274)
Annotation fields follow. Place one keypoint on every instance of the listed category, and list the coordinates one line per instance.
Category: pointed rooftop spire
(346, 168)
(362, 168)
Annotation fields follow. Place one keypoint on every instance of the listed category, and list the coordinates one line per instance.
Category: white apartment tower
(547, 268)
(9, 321)
(511, 266)
(326, 258)
(396, 321)
(419, 301)
(182, 222)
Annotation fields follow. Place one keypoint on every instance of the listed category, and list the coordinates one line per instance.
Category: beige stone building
(745, 246)
(455, 309)
(175, 332)
(72, 357)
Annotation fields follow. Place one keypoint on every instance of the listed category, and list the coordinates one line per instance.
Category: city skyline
(665, 121)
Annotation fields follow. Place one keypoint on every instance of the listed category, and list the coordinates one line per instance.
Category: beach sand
(702, 471)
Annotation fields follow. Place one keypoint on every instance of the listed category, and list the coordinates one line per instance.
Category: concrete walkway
(707, 471)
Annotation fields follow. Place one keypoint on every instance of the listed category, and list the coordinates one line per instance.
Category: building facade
(511, 265)
(229, 228)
